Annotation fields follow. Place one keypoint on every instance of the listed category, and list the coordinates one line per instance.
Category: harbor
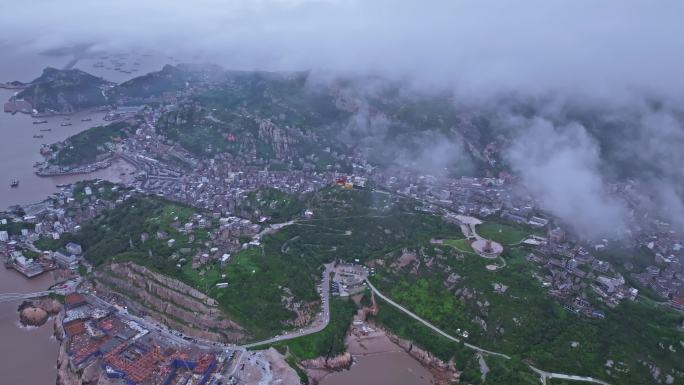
(27, 267)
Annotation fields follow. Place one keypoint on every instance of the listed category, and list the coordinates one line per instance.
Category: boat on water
(14, 183)
(37, 136)
(86, 119)
(46, 129)
(40, 121)
(65, 124)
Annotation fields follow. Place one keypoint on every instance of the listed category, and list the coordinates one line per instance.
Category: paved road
(544, 375)
(431, 326)
(10, 297)
(167, 333)
(317, 326)
(549, 375)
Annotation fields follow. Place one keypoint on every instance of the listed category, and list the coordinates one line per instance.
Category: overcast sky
(605, 54)
(605, 48)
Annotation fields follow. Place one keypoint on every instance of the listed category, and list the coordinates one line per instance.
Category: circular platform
(486, 248)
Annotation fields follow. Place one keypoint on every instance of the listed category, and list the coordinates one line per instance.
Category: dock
(28, 270)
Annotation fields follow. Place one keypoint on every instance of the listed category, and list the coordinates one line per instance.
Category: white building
(66, 262)
(73, 248)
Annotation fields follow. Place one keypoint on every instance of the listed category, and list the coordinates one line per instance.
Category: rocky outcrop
(37, 312)
(170, 301)
(279, 139)
(33, 316)
(340, 362)
(282, 372)
(444, 372)
(131, 269)
(65, 376)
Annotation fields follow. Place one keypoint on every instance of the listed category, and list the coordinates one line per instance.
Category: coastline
(371, 342)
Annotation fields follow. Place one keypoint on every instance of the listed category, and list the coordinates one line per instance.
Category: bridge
(11, 297)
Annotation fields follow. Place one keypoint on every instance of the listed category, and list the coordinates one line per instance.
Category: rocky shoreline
(445, 373)
(38, 311)
(373, 339)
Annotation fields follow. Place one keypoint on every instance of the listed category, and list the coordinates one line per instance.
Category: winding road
(317, 326)
(431, 326)
(543, 375)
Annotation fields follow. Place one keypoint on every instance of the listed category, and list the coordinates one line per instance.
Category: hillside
(348, 225)
(509, 311)
(65, 91)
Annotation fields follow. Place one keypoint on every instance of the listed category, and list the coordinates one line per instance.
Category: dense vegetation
(274, 204)
(330, 341)
(65, 91)
(14, 228)
(85, 146)
(347, 225)
(527, 324)
(502, 372)
(153, 84)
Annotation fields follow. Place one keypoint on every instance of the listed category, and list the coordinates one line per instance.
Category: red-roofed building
(73, 300)
(204, 363)
(677, 303)
(137, 362)
(74, 328)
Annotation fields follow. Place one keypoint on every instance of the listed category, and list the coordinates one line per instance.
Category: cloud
(613, 58)
(559, 165)
(607, 49)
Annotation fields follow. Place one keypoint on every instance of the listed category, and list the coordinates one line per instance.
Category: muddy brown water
(379, 361)
(28, 356)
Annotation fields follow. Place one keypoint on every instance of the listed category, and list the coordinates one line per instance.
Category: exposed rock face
(37, 312)
(33, 316)
(51, 306)
(65, 376)
(340, 362)
(276, 136)
(282, 372)
(170, 300)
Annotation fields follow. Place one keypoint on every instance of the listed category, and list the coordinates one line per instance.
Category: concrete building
(73, 248)
(66, 261)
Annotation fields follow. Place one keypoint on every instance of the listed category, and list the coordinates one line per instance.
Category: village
(576, 272)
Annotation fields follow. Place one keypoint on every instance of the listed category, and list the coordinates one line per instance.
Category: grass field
(502, 233)
(460, 245)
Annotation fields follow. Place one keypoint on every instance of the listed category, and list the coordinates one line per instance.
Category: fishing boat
(37, 136)
(40, 121)
(14, 183)
(65, 124)
(86, 119)
(46, 129)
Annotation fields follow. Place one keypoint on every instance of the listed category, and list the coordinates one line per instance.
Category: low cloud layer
(621, 58)
(560, 167)
(480, 47)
